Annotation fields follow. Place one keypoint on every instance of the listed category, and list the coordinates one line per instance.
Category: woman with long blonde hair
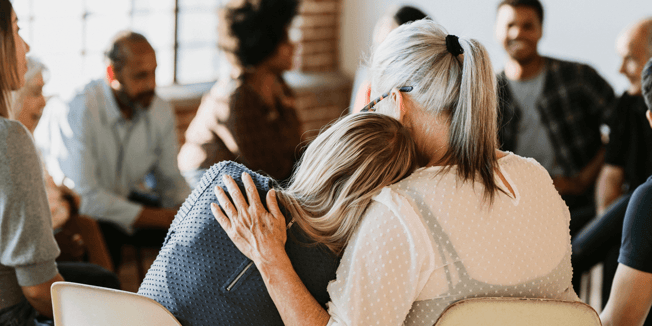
(472, 222)
(201, 277)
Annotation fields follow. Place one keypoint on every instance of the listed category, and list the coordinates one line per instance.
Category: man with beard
(551, 109)
(113, 135)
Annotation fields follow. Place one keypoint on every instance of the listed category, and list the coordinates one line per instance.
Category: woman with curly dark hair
(249, 116)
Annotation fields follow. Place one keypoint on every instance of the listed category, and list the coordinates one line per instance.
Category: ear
(399, 110)
(110, 74)
(648, 114)
(112, 77)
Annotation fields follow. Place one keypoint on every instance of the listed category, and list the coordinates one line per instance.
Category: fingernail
(213, 206)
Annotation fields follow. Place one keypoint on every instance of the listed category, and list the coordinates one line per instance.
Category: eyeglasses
(370, 107)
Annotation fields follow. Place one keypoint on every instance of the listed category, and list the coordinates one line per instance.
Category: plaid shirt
(574, 102)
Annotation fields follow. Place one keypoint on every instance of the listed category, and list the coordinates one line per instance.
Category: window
(70, 37)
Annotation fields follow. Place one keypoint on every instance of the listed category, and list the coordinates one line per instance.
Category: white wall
(581, 30)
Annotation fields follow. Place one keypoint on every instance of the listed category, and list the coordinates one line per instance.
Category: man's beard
(141, 101)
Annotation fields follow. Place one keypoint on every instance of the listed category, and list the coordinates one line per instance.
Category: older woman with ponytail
(471, 222)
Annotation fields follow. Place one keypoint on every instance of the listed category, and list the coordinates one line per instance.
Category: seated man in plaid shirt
(551, 109)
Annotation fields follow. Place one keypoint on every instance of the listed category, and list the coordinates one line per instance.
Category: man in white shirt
(113, 134)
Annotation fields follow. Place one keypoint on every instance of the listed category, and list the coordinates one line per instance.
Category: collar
(112, 109)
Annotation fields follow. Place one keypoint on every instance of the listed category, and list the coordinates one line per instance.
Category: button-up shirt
(574, 103)
(107, 156)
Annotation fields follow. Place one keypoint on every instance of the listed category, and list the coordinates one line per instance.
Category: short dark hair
(646, 84)
(408, 14)
(118, 51)
(253, 29)
(534, 4)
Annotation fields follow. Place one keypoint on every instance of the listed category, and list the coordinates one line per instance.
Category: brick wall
(322, 91)
(316, 31)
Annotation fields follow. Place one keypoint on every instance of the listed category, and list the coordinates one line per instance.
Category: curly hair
(251, 30)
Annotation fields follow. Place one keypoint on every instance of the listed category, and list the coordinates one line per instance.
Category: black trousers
(87, 273)
(115, 238)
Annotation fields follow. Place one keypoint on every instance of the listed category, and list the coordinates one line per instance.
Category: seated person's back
(202, 278)
(519, 246)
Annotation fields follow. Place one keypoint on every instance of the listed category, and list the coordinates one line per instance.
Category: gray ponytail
(461, 89)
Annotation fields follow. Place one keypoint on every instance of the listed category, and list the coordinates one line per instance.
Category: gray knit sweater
(27, 245)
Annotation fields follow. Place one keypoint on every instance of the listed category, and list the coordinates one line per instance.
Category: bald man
(628, 163)
(114, 134)
(628, 160)
(631, 294)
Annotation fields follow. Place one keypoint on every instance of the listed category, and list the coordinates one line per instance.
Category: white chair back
(518, 311)
(78, 304)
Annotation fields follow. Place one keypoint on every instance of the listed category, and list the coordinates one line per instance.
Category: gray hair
(461, 89)
(35, 68)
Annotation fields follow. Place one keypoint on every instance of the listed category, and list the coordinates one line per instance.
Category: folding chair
(78, 304)
(518, 311)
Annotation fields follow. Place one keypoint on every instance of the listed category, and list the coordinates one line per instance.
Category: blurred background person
(551, 109)
(110, 137)
(631, 293)
(393, 17)
(628, 163)
(79, 238)
(248, 116)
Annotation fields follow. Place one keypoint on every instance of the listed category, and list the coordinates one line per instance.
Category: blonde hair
(460, 89)
(8, 67)
(340, 172)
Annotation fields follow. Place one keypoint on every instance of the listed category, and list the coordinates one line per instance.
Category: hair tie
(453, 45)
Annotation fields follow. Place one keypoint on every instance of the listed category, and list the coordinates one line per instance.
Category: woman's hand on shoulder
(259, 234)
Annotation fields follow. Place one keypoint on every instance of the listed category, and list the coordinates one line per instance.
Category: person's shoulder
(161, 107)
(576, 68)
(644, 190)
(77, 105)
(235, 170)
(220, 95)
(17, 141)
(524, 165)
(12, 131)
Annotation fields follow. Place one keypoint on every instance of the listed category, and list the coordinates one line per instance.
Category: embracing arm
(263, 241)
(370, 259)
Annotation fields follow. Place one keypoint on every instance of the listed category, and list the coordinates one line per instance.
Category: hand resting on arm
(261, 236)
